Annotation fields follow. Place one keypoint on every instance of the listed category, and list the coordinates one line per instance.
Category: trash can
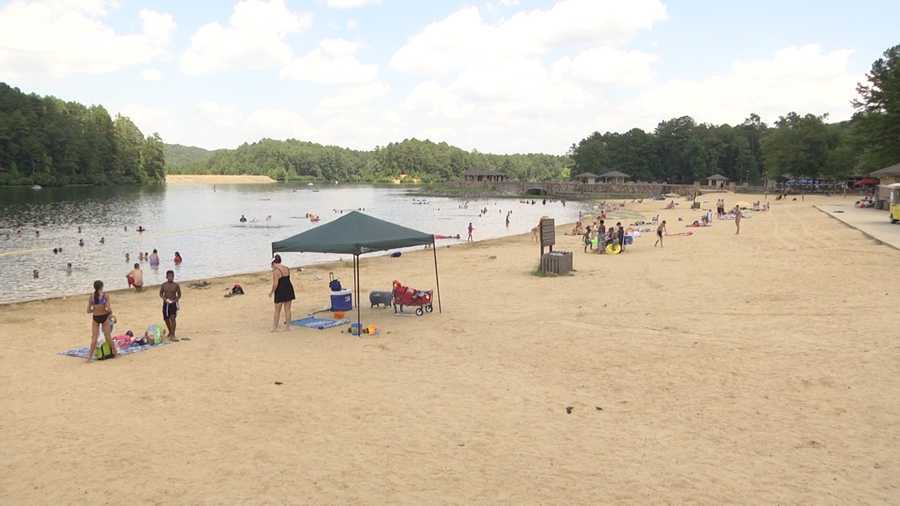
(342, 300)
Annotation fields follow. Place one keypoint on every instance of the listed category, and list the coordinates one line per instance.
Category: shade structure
(353, 234)
(357, 234)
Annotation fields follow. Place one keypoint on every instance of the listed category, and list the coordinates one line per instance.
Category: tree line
(48, 141)
(681, 151)
(424, 160)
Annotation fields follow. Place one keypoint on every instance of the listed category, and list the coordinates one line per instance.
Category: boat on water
(309, 184)
(37, 187)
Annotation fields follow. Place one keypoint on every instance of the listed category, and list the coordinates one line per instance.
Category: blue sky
(495, 75)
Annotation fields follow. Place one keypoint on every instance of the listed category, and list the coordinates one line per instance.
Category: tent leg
(437, 278)
(356, 281)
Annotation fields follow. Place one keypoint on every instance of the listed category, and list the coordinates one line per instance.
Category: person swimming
(141, 228)
(154, 259)
(81, 242)
(178, 258)
(243, 219)
(69, 268)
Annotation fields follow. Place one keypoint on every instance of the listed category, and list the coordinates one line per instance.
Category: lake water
(202, 223)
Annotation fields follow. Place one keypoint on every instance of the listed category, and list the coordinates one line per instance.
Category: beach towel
(313, 322)
(82, 352)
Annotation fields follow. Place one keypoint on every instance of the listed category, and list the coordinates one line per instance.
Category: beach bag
(103, 351)
(334, 284)
(154, 334)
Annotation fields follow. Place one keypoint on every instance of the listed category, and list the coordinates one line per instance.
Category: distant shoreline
(217, 179)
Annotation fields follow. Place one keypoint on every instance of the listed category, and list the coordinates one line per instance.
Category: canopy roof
(717, 177)
(893, 170)
(355, 234)
(614, 173)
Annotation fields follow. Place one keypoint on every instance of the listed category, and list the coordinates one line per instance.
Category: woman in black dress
(283, 291)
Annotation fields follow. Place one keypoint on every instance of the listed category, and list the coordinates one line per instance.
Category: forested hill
(48, 141)
(424, 160)
(178, 156)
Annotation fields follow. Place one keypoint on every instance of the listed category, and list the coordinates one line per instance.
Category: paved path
(872, 222)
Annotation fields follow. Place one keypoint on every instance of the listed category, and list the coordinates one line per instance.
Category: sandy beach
(760, 368)
(216, 179)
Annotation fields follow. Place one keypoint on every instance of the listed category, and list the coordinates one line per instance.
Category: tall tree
(878, 112)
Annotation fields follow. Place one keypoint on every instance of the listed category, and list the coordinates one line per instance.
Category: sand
(216, 179)
(760, 368)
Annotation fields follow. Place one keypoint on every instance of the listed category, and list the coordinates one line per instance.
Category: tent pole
(356, 279)
(437, 278)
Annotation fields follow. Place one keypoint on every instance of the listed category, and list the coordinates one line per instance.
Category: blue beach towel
(82, 352)
(319, 323)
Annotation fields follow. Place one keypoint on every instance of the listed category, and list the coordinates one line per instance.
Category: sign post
(547, 229)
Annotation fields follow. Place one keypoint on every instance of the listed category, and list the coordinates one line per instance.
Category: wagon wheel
(429, 308)
(419, 311)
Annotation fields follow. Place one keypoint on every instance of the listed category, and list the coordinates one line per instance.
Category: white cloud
(352, 4)
(151, 75)
(541, 73)
(333, 62)
(803, 79)
(254, 38)
(607, 66)
(352, 24)
(62, 37)
(465, 37)
(354, 96)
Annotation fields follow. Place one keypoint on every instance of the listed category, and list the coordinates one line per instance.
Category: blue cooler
(342, 300)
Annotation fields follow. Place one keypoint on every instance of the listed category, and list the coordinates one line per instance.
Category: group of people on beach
(597, 236)
(99, 306)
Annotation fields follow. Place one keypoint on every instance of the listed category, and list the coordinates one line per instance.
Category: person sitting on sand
(170, 293)
(136, 278)
(578, 230)
(100, 309)
(671, 204)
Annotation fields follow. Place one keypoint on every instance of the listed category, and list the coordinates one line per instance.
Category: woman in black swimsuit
(100, 310)
(283, 291)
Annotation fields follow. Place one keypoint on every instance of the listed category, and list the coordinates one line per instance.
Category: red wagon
(406, 296)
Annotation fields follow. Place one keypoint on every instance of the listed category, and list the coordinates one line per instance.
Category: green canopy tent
(357, 234)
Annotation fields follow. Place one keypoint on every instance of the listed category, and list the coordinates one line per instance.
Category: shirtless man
(136, 278)
(170, 293)
(737, 219)
(660, 232)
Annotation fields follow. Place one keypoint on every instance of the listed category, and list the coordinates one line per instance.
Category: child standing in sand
(660, 231)
(471, 229)
(737, 219)
(170, 293)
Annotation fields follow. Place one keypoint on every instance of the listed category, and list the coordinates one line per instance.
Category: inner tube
(613, 248)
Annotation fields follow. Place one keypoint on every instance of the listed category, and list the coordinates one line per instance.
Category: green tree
(878, 112)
